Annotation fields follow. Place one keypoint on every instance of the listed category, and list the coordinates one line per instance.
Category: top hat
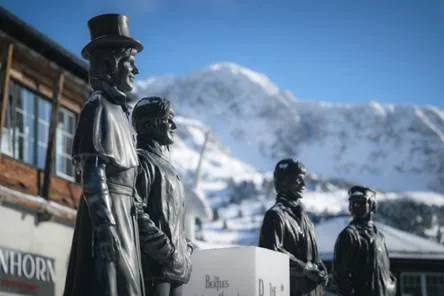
(109, 30)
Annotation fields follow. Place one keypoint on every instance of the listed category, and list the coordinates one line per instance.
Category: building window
(19, 128)
(43, 120)
(435, 284)
(422, 284)
(26, 129)
(65, 135)
(411, 284)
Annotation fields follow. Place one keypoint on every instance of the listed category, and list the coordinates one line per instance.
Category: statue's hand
(323, 278)
(322, 274)
(311, 271)
(107, 245)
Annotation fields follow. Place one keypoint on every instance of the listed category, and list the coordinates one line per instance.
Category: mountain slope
(392, 148)
(218, 165)
(239, 194)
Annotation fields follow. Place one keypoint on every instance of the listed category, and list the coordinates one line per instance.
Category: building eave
(24, 33)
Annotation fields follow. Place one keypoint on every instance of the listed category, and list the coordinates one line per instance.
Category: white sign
(242, 271)
(33, 258)
(26, 273)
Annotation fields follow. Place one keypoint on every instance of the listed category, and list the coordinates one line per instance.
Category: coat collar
(152, 146)
(112, 94)
(294, 205)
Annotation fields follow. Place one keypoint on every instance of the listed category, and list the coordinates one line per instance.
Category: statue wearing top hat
(105, 256)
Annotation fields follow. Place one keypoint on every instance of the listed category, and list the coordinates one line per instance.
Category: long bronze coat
(103, 134)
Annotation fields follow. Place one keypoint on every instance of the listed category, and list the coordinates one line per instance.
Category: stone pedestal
(240, 271)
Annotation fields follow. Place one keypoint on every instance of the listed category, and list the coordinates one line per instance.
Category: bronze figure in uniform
(105, 256)
(361, 264)
(166, 253)
(287, 228)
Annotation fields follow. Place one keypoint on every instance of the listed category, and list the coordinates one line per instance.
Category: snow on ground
(428, 198)
(240, 224)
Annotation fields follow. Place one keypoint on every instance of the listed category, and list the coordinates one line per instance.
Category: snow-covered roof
(401, 244)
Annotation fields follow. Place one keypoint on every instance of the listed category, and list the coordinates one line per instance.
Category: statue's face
(294, 185)
(359, 207)
(162, 131)
(167, 126)
(126, 71)
(297, 184)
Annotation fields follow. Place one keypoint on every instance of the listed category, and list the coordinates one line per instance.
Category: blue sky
(340, 51)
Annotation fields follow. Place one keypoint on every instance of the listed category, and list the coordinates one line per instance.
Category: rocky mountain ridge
(389, 147)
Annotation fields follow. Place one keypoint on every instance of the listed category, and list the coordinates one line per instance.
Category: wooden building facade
(43, 88)
(42, 91)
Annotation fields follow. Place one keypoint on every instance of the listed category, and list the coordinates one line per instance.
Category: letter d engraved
(261, 287)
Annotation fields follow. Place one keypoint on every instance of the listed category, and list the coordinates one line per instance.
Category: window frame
(14, 134)
(15, 91)
(422, 280)
(63, 134)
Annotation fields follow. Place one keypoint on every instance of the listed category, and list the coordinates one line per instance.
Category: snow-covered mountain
(220, 171)
(250, 124)
(390, 147)
(218, 165)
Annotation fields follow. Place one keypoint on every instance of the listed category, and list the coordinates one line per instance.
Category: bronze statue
(166, 254)
(287, 228)
(105, 256)
(361, 264)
